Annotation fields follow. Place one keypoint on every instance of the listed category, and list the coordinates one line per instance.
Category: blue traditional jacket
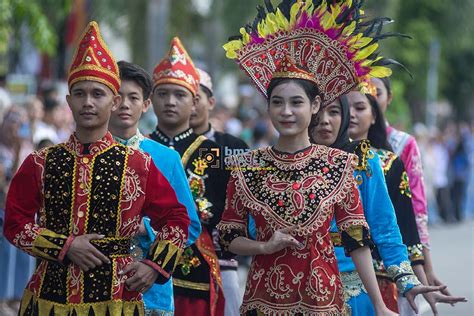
(380, 216)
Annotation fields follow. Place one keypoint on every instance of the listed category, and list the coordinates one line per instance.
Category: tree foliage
(40, 16)
(452, 25)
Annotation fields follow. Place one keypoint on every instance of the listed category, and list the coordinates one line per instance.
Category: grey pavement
(452, 248)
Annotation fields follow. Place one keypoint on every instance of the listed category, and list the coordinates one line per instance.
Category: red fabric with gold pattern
(287, 68)
(177, 68)
(93, 61)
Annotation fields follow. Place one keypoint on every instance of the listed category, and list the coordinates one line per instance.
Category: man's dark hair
(133, 72)
(206, 91)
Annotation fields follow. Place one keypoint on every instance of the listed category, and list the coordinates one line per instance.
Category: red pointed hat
(288, 68)
(93, 61)
(177, 68)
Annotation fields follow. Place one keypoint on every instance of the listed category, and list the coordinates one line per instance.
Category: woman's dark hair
(378, 131)
(386, 82)
(309, 88)
(137, 74)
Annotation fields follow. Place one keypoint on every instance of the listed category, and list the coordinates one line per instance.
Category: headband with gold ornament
(287, 68)
(327, 37)
(177, 68)
(93, 61)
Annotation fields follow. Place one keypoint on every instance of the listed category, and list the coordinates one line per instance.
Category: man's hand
(84, 254)
(143, 276)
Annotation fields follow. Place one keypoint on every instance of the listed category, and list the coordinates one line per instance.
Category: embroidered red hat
(287, 68)
(177, 68)
(93, 61)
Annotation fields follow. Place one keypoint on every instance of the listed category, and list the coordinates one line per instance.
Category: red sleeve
(234, 220)
(171, 221)
(22, 204)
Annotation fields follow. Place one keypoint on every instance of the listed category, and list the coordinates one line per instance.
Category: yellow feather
(245, 35)
(295, 8)
(364, 53)
(231, 48)
(348, 30)
(281, 20)
(369, 62)
(326, 21)
(364, 41)
(380, 72)
(354, 39)
(262, 31)
(271, 23)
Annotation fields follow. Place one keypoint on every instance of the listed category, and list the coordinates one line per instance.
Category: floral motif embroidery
(403, 275)
(405, 185)
(352, 284)
(188, 261)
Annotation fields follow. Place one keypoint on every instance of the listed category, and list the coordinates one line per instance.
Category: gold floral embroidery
(403, 276)
(352, 285)
(405, 185)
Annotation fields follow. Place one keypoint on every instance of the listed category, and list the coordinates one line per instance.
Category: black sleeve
(399, 191)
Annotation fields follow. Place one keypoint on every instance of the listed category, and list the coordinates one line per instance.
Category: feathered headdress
(330, 38)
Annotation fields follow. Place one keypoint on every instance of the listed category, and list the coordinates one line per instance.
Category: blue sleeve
(380, 216)
(181, 186)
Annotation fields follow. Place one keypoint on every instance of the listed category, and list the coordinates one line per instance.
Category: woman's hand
(436, 297)
(433, 280)
(280, 240)
(420, 289)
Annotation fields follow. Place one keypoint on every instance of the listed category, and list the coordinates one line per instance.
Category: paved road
(452, 248)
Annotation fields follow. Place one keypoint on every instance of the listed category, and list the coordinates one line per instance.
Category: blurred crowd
(448, 164)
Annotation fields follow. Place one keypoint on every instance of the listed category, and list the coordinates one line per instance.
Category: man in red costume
(84, 201)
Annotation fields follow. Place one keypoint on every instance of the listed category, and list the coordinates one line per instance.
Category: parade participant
(84, 203)
(197, 281)
(404, 146)
(292, 190)
(135, 90)
(367, 123)
(230, 145)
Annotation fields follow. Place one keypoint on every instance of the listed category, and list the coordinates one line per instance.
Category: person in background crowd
(460, 176)
(46, 128)
(35, 108)
(5, 99)
(16, 266)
